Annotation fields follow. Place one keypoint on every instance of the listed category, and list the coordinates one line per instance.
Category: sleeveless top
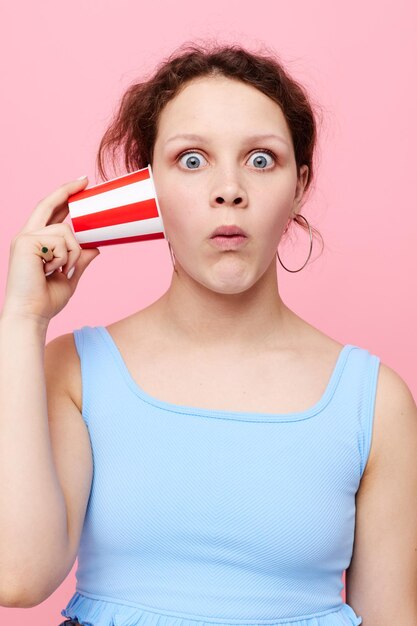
(198, 517)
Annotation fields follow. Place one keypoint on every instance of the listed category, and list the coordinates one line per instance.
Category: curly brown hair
(133, 129)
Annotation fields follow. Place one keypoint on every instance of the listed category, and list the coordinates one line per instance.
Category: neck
(204, 318)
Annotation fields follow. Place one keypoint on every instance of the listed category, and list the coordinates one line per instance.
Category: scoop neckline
(237, 415)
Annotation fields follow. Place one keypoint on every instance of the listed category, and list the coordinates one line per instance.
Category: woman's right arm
(33, 519)
(37, 549)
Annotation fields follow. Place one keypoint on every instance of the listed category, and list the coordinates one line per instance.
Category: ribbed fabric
(206, 516)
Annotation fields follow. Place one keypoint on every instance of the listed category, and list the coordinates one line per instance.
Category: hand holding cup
(37, 288)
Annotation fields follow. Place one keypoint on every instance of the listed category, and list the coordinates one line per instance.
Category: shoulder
(62, 362)
(62, 366)
(392, 390)
(394, 421)
(384, 554)
(394, 425)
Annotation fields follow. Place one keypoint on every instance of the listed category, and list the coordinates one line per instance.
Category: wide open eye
(260, 160)
(192, 161)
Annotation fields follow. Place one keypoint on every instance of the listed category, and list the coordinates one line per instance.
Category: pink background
(64, 68)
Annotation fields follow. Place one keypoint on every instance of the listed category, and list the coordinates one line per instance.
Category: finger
(73, 248)
(46, 253)
(65, 256)
(63, 248)
(59, 214)
(57, 249)
(85, 259)
(56, 203)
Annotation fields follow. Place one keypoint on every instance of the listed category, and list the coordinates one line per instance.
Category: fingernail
(81, 177)
(70, 273)
(49, 273)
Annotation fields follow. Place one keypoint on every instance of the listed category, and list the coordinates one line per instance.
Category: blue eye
(192, 161)
(260, 161)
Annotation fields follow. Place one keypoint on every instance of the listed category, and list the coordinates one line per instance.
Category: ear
(299, 190)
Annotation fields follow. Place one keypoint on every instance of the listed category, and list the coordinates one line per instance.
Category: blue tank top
(218, 517)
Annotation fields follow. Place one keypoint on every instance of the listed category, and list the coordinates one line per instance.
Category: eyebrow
(258, 137)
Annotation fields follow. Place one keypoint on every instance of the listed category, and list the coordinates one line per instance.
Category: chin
(225, 278)
(230, 285)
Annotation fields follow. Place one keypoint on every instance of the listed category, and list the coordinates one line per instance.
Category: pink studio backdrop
(64, 68)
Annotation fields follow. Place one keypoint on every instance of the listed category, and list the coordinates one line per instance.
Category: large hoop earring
(309, 254)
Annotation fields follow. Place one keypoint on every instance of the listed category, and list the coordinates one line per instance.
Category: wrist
(10, 318)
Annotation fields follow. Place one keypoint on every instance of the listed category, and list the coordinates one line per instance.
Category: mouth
(229, 242)
(228, 231)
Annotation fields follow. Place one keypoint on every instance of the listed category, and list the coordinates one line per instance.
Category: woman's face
(224, 175)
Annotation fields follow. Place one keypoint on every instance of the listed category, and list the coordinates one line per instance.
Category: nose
(229, 193)
(221, 200)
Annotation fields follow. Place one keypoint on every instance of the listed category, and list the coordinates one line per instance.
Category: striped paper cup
(121, 210)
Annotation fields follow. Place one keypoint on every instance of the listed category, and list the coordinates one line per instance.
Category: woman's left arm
(381, 581)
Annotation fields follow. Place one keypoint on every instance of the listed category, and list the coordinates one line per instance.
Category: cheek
(276, 212)
(279, 200)
(183, 221)
(174, 198)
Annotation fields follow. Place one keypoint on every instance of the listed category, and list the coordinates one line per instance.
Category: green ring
(45, 249)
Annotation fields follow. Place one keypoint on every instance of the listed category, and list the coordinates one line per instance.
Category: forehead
(218, 105)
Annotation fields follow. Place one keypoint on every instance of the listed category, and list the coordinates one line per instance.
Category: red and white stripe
(121, 210)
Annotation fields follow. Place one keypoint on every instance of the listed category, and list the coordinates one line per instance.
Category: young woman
(208, 459)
